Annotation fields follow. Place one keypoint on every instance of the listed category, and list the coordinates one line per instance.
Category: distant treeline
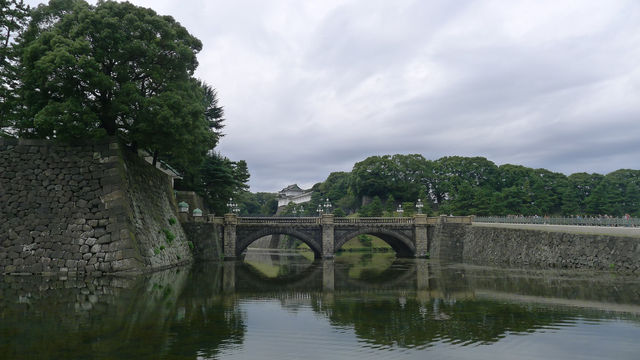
(472, 185)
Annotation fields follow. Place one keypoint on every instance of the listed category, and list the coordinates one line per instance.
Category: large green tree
(220, 179)
(451, 172)
(402, 176)
(114, 68)
(14, 16)
(624, 192)
(580, 186)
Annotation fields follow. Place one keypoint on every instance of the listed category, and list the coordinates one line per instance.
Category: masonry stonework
(84, 209)
(205, 239)
(550, 249)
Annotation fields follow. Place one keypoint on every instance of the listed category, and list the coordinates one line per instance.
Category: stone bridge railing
(278, 220)
(265, 220)
(374, 220)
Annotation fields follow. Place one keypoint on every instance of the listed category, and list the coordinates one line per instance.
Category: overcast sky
(311, 87)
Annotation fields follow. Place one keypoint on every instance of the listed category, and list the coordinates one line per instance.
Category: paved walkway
(576, 229)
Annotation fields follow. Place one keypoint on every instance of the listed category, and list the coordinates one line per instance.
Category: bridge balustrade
(581, 221)
(374, 220)
(278, 220)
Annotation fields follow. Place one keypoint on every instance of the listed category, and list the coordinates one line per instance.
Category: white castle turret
(293, 193)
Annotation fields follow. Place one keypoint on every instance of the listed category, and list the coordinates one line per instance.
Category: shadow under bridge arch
(401, 243)
(246, 236)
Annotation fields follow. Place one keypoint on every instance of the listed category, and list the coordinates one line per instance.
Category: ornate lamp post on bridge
(400, 210)
(419, 206)
(319, 210)
(233, 207)
(327, 206)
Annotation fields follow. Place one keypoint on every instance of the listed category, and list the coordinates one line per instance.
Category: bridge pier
(327, 223)
(422, 275)
(229, 277)
(420, 235)
(229, 241)
(328, 275)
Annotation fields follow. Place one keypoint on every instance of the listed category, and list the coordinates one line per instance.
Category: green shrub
(169, 236)
(172, 221)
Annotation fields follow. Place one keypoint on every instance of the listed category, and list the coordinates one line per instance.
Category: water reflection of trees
(165, 315)
(408, 322)
(195, 313)
(208, 321)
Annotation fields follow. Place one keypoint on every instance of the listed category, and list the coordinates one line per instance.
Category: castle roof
(293, 187)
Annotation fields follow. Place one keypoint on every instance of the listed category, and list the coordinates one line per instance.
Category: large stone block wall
(446, 241)
(206, 240)
(554, 249)
(151, 217)
(84, 209)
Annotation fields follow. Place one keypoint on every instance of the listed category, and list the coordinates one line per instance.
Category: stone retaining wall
(206, 240)
(446, 241)
(550, 249)
(84, 209)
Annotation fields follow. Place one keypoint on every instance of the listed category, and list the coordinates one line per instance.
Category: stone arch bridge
(408, 236)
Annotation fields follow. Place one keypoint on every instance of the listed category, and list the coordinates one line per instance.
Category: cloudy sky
(311, 87)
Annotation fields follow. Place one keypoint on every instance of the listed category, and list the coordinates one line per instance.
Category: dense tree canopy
(114, 68)
(474, 185)
(260, 203)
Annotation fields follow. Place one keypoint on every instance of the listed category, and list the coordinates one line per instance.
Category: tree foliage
(474, 185)
(373, 209)
(220, 179)
(114, 69)
(14, 16)
(261, 203)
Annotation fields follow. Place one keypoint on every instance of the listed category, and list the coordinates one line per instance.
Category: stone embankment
(552, 247)
(84, 209)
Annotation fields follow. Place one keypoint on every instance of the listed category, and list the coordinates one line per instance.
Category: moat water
(277, 305)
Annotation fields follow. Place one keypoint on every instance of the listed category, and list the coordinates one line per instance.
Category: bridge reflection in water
(296, 273)
(382, 302)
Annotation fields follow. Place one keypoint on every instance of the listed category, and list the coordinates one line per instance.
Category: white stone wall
(294, 199)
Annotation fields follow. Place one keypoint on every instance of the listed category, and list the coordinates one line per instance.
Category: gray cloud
(313, 87)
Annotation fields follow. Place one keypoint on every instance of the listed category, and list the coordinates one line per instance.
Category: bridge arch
(309, 278)
(244, 241)
(401, 244)
(387, 279)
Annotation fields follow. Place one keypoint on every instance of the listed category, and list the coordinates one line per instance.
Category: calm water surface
(359, 306)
